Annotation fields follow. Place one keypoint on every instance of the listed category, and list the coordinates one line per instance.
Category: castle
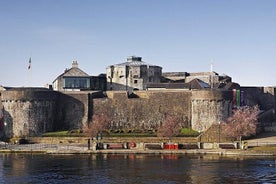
(134, 95)
(132, 75)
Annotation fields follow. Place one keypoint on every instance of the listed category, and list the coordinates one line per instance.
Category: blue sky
(237, 36)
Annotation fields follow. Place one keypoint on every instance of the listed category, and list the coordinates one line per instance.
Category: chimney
(75, 64)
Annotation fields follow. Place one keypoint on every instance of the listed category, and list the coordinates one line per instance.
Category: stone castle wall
(72, 110)
(28, 112)
(263, 96)
(146, 110)
(210, 107)
(32, 112)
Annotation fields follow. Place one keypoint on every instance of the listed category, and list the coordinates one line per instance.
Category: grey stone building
(211, 78)
(134, 74)
(75, 79)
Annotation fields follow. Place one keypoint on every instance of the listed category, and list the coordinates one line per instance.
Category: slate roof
(198, 84)
(193, 84)
(134, 61)
(73, 72)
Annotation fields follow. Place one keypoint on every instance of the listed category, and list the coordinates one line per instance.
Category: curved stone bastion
(28, 111)
(210, 107)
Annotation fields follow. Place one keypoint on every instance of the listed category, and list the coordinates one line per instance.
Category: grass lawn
(62, 134)
(78, 133)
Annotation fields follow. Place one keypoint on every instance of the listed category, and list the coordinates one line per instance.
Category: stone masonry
(134, 74)
(31, 112)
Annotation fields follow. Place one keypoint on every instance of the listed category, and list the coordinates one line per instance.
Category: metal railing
(42, 147)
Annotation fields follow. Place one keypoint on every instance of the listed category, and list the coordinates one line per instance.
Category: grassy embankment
(184, 132)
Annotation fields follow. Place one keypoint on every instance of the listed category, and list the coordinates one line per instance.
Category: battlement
(28, 94)
(212, 95)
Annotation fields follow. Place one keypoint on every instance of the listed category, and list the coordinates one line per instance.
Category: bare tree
(170, 127)
(242, 123)
(99, 123)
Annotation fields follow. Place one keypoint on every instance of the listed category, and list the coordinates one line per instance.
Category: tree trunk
(240, 139)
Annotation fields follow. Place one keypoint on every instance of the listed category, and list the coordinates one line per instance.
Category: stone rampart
(28, 111)
(262, 96)
(72, 110)
(27, 94)
(144, 113)
(209, 107)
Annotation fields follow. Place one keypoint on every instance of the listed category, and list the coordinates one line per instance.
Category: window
(135, 81)
(76, 82)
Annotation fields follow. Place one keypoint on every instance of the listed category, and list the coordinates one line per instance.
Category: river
(135, 168)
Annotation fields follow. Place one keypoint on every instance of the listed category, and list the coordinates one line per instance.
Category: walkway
(267, 138)
(82, 149)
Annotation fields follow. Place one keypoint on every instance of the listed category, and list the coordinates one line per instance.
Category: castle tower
(28, 111)
(134, 74)
(210, 107)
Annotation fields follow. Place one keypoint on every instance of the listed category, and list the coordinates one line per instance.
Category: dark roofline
(26, 88)
(168, 85)
(67, 70)
(134, 59)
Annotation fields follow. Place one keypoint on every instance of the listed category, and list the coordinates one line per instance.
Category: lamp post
(99, 138)
(219, 131)
(5, 137)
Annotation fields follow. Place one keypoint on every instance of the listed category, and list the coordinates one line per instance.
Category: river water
(139, 168)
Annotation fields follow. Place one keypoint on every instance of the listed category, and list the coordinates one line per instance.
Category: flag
(30, 61)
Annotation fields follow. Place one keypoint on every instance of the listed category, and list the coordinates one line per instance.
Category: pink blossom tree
(242, 123)
(170, 127)
(99, 123)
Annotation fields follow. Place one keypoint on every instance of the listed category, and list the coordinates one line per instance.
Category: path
(267, 138)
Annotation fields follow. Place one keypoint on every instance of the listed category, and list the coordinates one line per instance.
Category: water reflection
(135, 168)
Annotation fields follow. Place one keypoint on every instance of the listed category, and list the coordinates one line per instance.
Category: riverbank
(261, 146)
(83, 149)
(193, 151)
